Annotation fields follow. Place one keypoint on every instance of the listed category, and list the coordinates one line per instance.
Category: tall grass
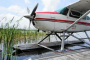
(10, 35)
(7, 37)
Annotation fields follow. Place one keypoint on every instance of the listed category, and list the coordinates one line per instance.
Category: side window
(64, 11)
(75, 14)
(86, 18)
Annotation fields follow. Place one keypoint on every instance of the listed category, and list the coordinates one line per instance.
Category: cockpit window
(78, 15)
(63, 11)
(75, 14)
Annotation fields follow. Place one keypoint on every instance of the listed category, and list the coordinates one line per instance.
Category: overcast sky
(18, 8)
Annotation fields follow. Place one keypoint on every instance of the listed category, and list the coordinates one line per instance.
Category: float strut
(46, 47)
(45, 38)
(80, 39)
(68, 36)
(58, 36)
(87, 35)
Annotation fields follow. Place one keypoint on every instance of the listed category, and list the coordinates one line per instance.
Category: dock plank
(83, 54)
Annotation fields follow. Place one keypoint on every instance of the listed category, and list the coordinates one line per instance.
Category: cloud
(24, 23)
(50, 5)
(14, 9)
(2, 8)
(17, 9)
(6, 18)
(10, 13)
(27, 1)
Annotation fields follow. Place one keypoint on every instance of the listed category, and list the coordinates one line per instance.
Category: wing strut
(78, 19)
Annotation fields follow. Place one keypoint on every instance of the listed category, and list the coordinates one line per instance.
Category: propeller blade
(29, 17)
(29, 27)
(38, 30)
(28, 10)
(29, 24)
(34, 9)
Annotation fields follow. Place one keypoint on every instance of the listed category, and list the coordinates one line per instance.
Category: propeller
(32, 15)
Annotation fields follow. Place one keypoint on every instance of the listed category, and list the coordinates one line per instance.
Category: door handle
(52, 17)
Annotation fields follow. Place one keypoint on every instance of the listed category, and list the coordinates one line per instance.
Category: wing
(81, 6)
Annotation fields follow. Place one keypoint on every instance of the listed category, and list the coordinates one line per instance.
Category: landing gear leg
(63, 41)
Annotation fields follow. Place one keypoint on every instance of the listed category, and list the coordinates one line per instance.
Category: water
(34, 54)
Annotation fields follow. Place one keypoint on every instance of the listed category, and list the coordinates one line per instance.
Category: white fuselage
(56, 22)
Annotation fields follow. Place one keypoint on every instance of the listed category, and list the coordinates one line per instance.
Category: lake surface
(34, 54)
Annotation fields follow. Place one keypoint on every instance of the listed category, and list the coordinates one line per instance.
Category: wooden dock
(82, 54)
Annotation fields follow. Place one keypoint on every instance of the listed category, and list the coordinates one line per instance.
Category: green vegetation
(10, 35)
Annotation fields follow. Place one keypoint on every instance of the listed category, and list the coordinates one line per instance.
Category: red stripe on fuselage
(47, 13)
(58, 20)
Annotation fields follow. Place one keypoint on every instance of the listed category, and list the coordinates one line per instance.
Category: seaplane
(70, 19)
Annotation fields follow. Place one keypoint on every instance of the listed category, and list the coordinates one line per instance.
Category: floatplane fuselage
(57, 22)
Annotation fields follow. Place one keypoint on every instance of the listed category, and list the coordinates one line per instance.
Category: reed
(7, 37)
(10, 35)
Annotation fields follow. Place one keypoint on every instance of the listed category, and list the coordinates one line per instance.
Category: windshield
(59, 10)
(63, 11)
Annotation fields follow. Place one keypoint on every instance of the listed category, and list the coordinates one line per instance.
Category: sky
(18, 8)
